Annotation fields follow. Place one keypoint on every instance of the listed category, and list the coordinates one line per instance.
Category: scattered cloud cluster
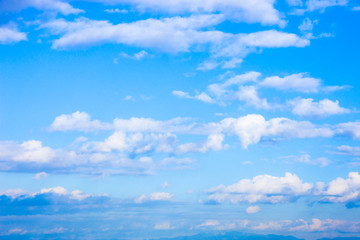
(130, 146)
(244, 88)
(171, 35)
(271, 189)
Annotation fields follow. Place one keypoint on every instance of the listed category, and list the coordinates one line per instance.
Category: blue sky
(148, 118)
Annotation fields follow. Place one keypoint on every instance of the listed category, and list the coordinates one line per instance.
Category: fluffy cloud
(175, 34)
(11, 35)
(40, 175)
(28, 151)
(252, 209)
(44, 5)
(341, 190)
(171, 35)
(262, 188)
(130, 148)
(214, 142)
(350, 128)
(31, 156)
(295, 82)
(253, 127)
(306, 107)
(271, 189)
(261, 11)
(79, 121)
(156, 196)
(246, 88)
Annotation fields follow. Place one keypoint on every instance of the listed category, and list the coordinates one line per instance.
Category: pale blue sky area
(143, 119)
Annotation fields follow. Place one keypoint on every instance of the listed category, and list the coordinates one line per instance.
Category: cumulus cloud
(129, 149)
(246, 88)
(349, 128)
(341, 190)
(259, 11)
(262, 188)
(78, 121)
(28, 151)
(156, 196)
(306, 107)
(11, 35)
(40, 175)
(43, 5)
(253, 127)
(252, 209)
(272, 189)
(295, 82)
(171, 35)
(214, 142)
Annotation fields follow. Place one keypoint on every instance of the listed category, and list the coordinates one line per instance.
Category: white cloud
(137, 56)
(306, 158)
(307, 25)
(271, 189)
(60, 191)
(262, 188)
(319, 5)
(252, 128)
(214, 142)
(249, 95)
(252, 209)
(203, 97)
(11, 35)
(44, 5)
(171, 35)
(350, 128)
(341, 190)
(261, 11)
(40, 175)
(348, 150)
(295, 82)
(208, 223)
(116, 10)
(306, 107)
(156, 196)
(28, 151)
(163, 226)
(319, 225)
(78, 121)
(313, 5)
